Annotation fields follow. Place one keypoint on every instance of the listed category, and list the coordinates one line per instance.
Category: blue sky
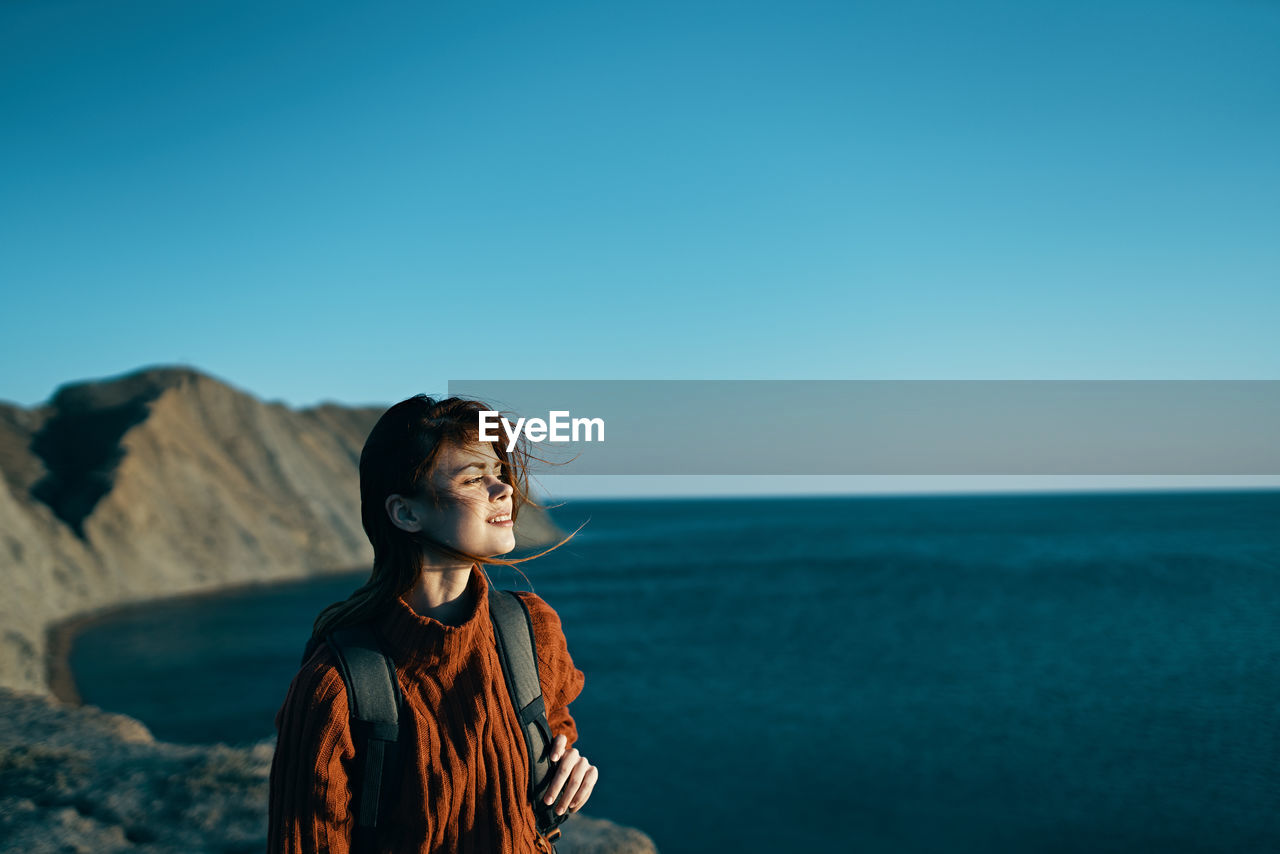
(358, 202)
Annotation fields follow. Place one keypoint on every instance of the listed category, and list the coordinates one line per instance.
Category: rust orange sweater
(465, 786)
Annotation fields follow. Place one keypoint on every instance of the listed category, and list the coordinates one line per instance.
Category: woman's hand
(573, 780)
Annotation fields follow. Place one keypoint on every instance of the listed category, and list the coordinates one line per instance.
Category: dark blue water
(1052, 673)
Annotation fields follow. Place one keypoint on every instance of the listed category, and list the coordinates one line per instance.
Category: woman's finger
(558, 746)
(584, 791)
(572, 785)
(567, 762)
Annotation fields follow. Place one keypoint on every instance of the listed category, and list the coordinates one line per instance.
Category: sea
(1021, 672)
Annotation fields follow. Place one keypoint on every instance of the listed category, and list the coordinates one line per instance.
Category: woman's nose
(502, 489)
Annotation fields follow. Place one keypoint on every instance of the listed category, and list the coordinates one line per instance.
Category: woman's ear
(404, 513)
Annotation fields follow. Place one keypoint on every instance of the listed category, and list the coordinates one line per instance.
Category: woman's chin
(501, 547)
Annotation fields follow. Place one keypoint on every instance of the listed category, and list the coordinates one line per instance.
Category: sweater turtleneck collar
(420, 642)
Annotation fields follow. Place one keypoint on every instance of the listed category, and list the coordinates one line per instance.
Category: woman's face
(474, 514)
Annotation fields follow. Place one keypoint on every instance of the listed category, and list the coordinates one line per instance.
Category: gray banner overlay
(902, 427)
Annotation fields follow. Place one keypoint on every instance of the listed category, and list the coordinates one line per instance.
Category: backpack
(374, 700)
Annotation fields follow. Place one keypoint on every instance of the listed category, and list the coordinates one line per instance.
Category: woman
(436, 504)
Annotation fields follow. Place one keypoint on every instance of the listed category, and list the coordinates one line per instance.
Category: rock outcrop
(81, 780)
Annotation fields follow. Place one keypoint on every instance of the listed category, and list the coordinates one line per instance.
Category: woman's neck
(441, 594)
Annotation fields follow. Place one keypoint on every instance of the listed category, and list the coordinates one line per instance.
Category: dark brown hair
(399, 458)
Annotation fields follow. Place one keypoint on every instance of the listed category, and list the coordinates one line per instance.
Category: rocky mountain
(168, 481)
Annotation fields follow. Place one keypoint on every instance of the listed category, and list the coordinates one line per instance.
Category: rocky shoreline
(58, 641)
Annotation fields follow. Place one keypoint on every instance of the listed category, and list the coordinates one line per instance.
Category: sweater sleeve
(561, 681)
(309, 802)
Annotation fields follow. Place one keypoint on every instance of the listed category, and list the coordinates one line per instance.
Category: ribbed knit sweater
(466, 787)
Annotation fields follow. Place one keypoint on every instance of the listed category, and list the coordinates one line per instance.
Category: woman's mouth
(503, 520)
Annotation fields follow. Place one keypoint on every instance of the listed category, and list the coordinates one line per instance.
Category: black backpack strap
(517, 650)
(373, 695)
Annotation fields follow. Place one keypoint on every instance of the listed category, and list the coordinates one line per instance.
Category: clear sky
(358, 202)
